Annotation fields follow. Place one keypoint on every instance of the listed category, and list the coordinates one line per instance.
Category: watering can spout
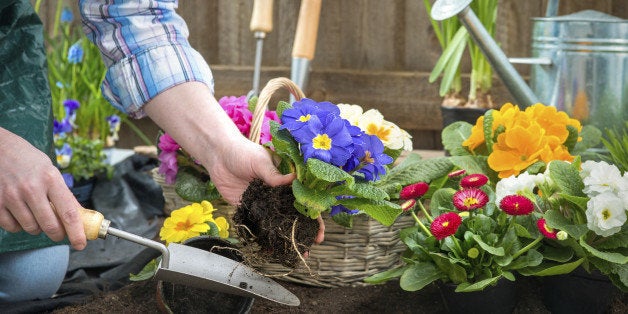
(444, 9)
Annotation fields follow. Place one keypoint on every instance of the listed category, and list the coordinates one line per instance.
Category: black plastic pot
(578, 292)
(501, 298)
(173, 298)
(453, 114)
(82, 190)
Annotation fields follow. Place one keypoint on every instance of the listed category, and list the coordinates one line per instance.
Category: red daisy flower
(456, 173)
(516, 205)
(445, 225)
(414, 190)
(470, 199)
(545, 229)
(475, 180)
(407, 205)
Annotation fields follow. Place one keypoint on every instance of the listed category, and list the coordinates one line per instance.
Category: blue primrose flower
(114, 123)
(368, 157)
(75, 53)
(66, 15)
(327, 140)
(337, 209)
(295, 118)
(71, 105)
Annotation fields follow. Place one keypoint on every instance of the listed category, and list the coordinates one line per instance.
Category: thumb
(273, 177)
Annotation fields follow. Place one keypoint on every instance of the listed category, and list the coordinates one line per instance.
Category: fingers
(7, 222)
(66, 210)
(320, 236)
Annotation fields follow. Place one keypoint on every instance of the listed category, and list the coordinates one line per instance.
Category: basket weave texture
(347, 256)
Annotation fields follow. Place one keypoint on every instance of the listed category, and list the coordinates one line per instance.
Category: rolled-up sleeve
(145, 48)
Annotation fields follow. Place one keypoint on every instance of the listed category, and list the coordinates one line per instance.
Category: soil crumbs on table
(139, 297)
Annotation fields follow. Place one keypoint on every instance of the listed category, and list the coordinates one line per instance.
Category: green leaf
(360, 189)
(591, 137)
(192, 188)
(313, 201)
(471, 164)
(213, 230)
(282, 106)
(147, 272)
(487, 127)
(617, 240)
(449, 53)
(616, 258)
(532, 258)
(454, 272)
(556, 220)
(386, 275)
(549, 269)
(328, 172)
(415, 170)
(383, 211)
(343, 219)
(566, 177)
(478, 286)
(453, 135)
(558, 254)
(497, 251)
(419, 275)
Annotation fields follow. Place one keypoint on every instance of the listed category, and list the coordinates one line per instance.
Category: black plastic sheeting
(131, 200)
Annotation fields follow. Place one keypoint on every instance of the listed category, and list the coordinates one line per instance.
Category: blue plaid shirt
(145, 48)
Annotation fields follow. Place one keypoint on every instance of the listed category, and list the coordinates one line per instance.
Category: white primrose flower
(605, 214)
(600, 177)
(352, 113)
(521, 185)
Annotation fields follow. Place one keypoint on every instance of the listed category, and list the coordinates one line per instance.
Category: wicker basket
(347, 256)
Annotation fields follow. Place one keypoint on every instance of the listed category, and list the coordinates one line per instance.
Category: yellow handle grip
(262, 18)
(93, 223)
(307, 29)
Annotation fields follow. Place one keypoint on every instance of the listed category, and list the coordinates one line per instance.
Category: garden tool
(304, 42)
(194, 267)
(261, 24)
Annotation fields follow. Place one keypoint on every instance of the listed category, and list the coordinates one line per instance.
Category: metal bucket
(588, 77)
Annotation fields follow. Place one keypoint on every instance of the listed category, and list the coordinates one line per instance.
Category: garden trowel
(194, 267)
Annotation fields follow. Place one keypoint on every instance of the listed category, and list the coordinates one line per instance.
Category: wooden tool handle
(262, 18)
(92, 223)
(307, 29)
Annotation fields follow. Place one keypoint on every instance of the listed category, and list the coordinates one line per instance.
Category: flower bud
(414, 190)
(473, 253)
(456, 174)
(407, 205)
(562, 235)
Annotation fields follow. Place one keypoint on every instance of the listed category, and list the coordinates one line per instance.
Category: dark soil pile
(267, 217)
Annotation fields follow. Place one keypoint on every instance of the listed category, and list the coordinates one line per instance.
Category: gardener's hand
(33, 195)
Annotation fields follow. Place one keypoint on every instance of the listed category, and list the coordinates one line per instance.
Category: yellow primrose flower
(223, 227)
(516, 149)
(184, 223)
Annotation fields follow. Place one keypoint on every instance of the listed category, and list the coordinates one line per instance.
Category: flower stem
(427, 231)
(457, 243)
(429, 218)
(527, 247)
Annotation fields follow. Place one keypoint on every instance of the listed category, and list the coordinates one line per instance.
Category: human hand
(33, 194)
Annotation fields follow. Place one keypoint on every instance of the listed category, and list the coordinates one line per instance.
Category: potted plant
(492, 223)
(454, 40)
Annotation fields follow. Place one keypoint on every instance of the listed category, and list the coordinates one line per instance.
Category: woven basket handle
(264, 98)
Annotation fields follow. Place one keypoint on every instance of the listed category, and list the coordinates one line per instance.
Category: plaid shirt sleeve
(145, 48)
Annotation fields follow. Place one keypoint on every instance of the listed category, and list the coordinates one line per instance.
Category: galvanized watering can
(579, 63)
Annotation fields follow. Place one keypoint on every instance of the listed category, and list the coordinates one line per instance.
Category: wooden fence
(375, 53)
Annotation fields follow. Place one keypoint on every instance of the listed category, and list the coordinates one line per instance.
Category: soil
(267, 217)
(139, 297)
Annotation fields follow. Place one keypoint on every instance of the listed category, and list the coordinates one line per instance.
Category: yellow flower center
(606, 214)
(368, 158)
(184, 225)
(383, 133)
(322, 141)
(305, 118)
(446, 223)
(470, 201)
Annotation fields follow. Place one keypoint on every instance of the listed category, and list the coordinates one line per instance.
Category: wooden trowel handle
(307, 29)
(262, 18)
(94, 223)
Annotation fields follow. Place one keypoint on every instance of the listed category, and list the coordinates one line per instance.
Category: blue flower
(327, 140)
(64, 155)
(369, 150)
(337, 209)
(66, 15)
(71, 106)
(114, 123)
(295, 118)
(75, 53)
